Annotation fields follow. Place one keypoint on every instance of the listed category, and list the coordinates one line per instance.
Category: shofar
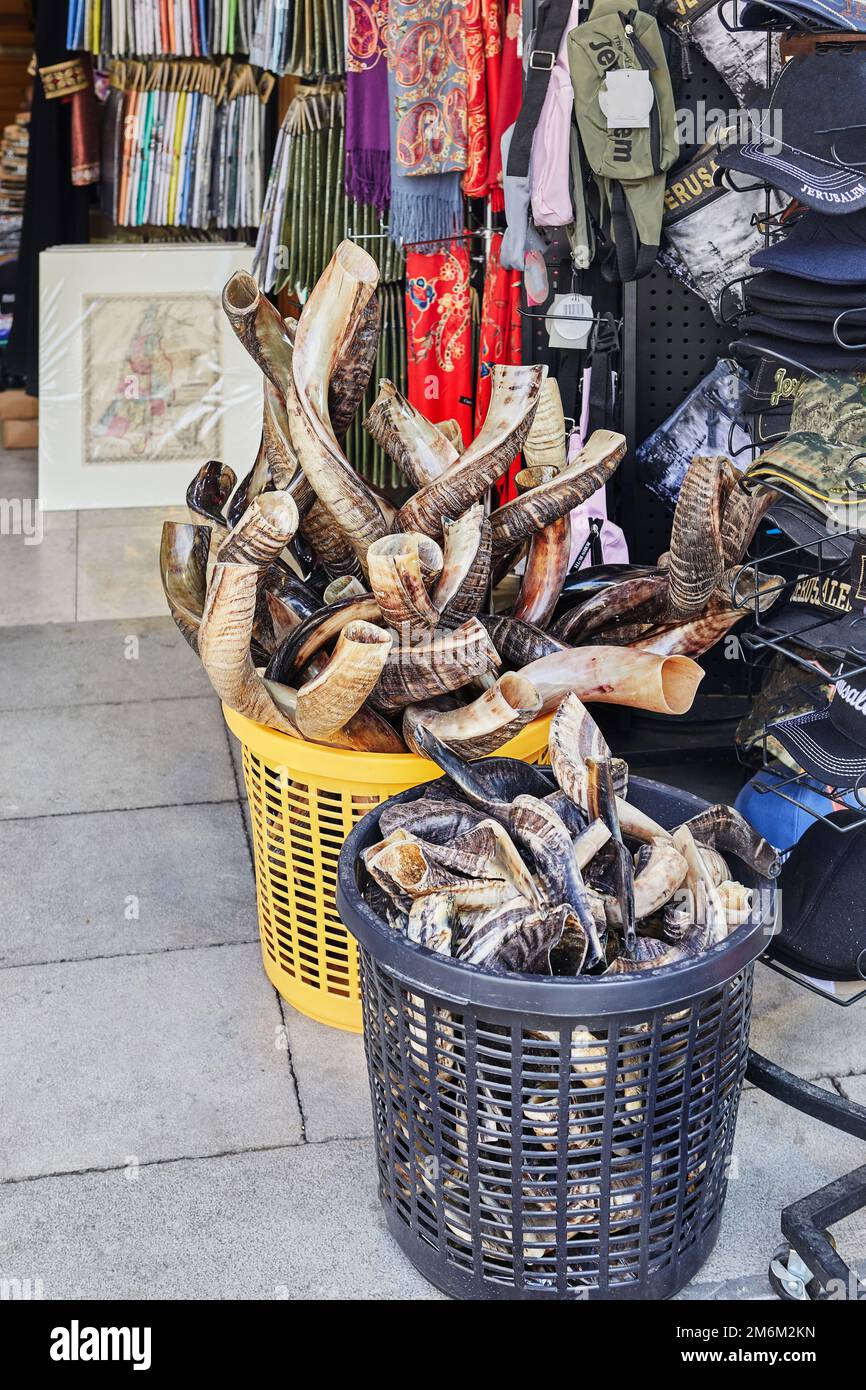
(462, 586)
(353, 368)
(224, 645)
(183, 556)
(366, 731)
(545, 444)
(210, 489)
(419, 449)
(400, 567)
(546, 568)
(327, 702)
(512, 407)
(327, 323)
(696, 555)
(483, 726)
(524, 515)
(277, 437)
(260, 328)
(616, 676)
(433, 663)
(267, 524)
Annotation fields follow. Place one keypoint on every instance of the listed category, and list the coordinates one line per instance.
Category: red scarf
(483, 61)
(438, 335)
(500, 339)
(505, 103)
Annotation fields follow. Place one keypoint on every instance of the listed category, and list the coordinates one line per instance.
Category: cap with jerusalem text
(815, 121)
(824, 250)
(825, 608)
(830, 743)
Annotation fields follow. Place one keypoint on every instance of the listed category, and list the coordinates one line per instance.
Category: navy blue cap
(813, 14)
(830, 250)
(815, 120)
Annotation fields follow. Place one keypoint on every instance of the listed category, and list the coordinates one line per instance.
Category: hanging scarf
(500, 338)
(438, 335)
(509, 97)
(368, 140)
(427, 101)
(483, 58)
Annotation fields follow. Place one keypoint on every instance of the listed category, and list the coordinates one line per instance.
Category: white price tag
(569, 321)
(627, 99)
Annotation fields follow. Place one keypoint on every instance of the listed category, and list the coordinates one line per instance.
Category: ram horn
(399, 568)
(512, 407)
(724, 829)
(224, 645)
(328, 542)
(519, 519)
(616, 676)
(709, 908)
(354, 367)
(546, 568)
(366, 731)
(183, 554)
(742, 588)
(453, 433)
(289, 602)
(347, 586)
(661, 870)
(602, 804)
(535, 826)
(574, 736)
(315, 632)
(432, 663)
(518, 642)
(545, 444)
(690, 639)
(210, 489)
(282, 459)
(696, 556)
(741, 518)
(638, 598)
(327, 702)
(260, 328)
(460, 590)
(258, 537)
(327, 324)
(420, 450)
(432, 921)
(483, 726)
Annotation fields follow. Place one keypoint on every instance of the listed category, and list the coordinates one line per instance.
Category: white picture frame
(141, 377)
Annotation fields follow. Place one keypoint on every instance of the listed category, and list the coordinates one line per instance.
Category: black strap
(550, 27)
(603, 352)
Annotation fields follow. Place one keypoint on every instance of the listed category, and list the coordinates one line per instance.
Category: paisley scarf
(427, 99)
(368, 140)
(439, 335)
(483, 59)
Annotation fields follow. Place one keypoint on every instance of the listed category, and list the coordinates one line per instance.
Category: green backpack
(628, 163)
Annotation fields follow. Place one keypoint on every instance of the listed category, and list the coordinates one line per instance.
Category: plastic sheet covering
(141, 377)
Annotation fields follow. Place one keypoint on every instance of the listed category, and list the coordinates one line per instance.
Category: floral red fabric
(438, 333)
(500, 338)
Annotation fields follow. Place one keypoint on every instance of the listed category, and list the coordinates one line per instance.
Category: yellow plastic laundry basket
(304, 799)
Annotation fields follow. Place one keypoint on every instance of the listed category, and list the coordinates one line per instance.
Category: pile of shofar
(320, 609)
(494, 869)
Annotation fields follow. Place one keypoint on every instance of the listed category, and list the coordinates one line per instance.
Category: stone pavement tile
(295, 1224)
(18, 472)
(808, 1035)
(37, 582)
(114, 757)
(97, 663)
(150, 880)
(779, 1156)
(98, 518)
(331, 1074)
(111, 1062)
(118, 571)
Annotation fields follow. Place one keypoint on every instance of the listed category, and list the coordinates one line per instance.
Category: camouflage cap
(832, 406)
(830, 476)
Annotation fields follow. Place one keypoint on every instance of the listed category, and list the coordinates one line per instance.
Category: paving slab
(37, 581)
(331, 1074)
(779, 1156)
(112, 1063)
(114, 757)
(300, 1223)
(63, 664)
(808, 1035)
(118, 570)
(152, 880)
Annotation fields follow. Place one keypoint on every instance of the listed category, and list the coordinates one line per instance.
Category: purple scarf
(368, 142)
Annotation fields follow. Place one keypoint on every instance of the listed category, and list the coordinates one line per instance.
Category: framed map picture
(141, 377)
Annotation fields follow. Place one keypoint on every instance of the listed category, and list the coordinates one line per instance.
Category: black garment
(55, 212)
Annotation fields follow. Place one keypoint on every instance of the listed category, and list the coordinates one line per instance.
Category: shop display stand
(808, 1266)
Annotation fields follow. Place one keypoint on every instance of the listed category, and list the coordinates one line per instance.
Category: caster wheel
(792, 1280)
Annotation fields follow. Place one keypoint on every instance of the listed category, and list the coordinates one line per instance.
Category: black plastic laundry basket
(546, 1137)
